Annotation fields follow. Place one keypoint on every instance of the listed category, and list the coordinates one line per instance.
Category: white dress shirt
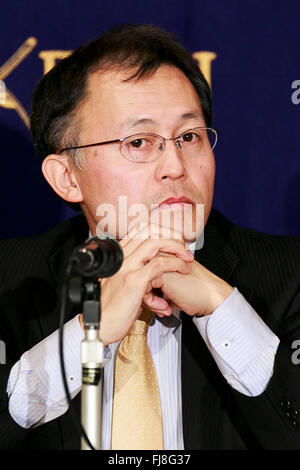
(240, 342)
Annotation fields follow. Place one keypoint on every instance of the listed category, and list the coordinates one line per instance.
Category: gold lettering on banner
(204, 59)
(50, 57)
(11, 102)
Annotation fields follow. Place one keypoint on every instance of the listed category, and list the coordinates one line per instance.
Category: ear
(61, 176)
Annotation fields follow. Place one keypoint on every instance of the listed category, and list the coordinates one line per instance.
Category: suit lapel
(217, 255)
(201, 379)
(48, 294)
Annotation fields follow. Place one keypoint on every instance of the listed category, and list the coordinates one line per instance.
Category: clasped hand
(156, 263)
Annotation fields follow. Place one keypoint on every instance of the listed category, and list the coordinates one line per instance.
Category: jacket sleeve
(11, 434)
(274, 416)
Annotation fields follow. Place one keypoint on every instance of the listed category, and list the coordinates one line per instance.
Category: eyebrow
(145, 120)
(192, 115)
(134, 122)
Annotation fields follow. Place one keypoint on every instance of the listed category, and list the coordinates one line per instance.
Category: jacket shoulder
(23, 255)
(262, 256)
(244, 237)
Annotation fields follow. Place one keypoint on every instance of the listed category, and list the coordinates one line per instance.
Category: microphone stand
(92, 357)
(86, 291)
(96, 258)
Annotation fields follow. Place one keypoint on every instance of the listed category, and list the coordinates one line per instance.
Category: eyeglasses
(147, 147)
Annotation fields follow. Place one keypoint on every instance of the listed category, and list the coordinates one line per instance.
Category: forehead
(163, 97)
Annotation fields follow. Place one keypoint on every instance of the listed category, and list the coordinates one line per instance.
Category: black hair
(140, 48)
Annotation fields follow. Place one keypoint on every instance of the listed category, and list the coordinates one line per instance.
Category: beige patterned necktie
(136, 419)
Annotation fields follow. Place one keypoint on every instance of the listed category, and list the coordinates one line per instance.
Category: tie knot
(141, 325)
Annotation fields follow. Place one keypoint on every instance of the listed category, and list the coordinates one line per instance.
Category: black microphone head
(98, 257)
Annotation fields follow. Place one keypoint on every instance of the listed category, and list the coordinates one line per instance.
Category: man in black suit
(129, 116)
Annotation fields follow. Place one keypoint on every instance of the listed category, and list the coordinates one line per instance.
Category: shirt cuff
(35, 387)
(242, 345)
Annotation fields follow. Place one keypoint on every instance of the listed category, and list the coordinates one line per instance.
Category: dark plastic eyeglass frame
(115, 141)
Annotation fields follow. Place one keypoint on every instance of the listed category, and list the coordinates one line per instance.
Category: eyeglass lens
(148, 147)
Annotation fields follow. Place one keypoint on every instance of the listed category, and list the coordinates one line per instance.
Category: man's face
(165, 104)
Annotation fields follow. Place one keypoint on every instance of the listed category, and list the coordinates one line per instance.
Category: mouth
(173, 202)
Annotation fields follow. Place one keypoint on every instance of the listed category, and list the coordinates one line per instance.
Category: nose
(171, 164)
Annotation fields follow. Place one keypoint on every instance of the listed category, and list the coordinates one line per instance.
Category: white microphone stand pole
(92, 357)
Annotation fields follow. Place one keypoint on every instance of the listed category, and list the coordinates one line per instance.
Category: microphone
(101, 257)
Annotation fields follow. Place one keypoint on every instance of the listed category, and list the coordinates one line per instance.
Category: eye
(190, 137)
(140, 147)
(141, 143)
(138, 143)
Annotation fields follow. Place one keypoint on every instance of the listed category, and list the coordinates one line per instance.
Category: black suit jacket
(265, 269)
